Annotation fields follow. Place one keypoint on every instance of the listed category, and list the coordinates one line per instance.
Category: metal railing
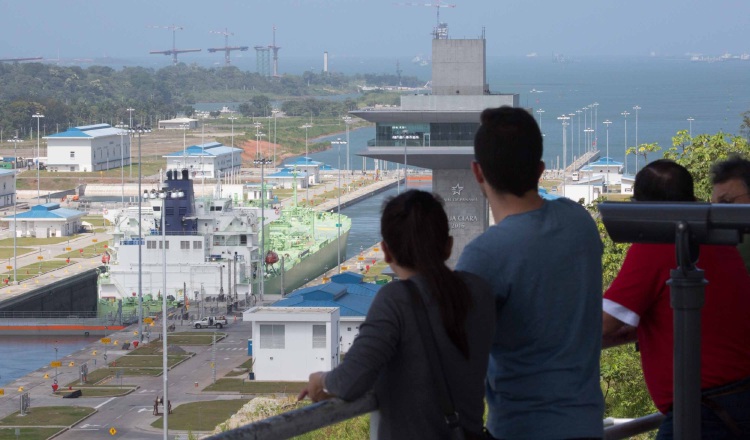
(48, 314)
(329, 412)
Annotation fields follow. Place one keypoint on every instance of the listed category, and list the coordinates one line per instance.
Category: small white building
(7, 188)
(586, 190)
(310, 167)
(605, 166)
(626, 184)
(210, 160)
(178, 124)
(88, 148)
(288, 178)
(289, 343)
(47, 220)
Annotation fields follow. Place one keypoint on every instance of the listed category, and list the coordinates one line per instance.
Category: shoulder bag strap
(430, 346)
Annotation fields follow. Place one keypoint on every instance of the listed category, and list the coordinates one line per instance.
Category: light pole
(257, 126)
(184, 145)
(122, 170)
(578, 112)
(38, 116)
(589, 134)
(307, 170)
(338, 222)
(636, 108)
(689, 119)
(564, 120)
(625, 157)
(609, 161)
(274, 112)
(596, 123)
(232, 118)
(539, 112)
(140, 246)
(262, 162)
(586, 126)
(347, 121)
(15, 141)
(164, 347)
(130, 124)
(572, 141)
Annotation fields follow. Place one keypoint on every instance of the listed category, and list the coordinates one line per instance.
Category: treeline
(69, 96)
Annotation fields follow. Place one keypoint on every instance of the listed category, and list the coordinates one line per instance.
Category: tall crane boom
(227, 48)
(174, 51)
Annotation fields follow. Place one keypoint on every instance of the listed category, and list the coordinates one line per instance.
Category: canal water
(20, 355)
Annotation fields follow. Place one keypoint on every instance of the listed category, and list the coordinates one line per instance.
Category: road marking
(143, 409)
(104, 403)
(87, 425)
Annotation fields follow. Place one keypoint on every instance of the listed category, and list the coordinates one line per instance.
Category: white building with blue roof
(46, 220)
(310, 167)
(347, 292)
(211, 160)
(87, 148)
(288, 178)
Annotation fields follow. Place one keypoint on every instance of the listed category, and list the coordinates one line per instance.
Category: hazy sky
(373, 28)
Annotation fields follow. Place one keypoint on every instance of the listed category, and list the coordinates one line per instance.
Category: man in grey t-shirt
(543, 262)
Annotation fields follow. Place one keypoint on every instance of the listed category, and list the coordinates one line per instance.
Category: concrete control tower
(436, 131)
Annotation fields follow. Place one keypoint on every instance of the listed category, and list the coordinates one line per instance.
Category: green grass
(7, 253)
(255, 387)
(34, 269)
(100, 374)
(194, 338)
(89, 251)
(34, 241)
(28, 433)
(146, 361)
(48, 416)
(357, 428)
(201, 416)
(245, 366)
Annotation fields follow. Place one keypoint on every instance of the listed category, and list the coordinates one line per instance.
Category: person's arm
(377, 342)
(616, 332)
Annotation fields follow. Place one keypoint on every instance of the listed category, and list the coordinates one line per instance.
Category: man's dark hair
(508, 147)
(663, 180)
(735, 167)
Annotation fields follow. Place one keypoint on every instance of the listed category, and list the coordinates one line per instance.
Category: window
(72, 154)
(151, 244)
(319, 336)
(197, 244)
(272, 336)
(184, 244)
(166, 244)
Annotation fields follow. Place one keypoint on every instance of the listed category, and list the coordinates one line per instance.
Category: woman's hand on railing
(315, 388)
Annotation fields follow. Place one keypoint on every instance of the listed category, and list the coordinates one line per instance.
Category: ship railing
(319, 415)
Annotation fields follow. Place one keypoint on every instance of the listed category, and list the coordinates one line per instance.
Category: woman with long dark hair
(389, 355)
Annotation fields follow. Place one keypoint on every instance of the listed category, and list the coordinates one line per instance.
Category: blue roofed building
(46, 220)
(309, 166)
(87, 148)
(288, 178)
(347, 292)
(211, 160)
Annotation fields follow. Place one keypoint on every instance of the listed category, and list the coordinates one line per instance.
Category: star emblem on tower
(457, 189)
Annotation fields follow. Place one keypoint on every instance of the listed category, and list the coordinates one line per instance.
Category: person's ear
(387, 257)
(448, 248)
(476, 169)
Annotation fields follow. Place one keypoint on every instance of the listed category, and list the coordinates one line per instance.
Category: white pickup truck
(211, 321)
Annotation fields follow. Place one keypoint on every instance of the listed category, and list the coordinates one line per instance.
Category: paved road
(131, 415)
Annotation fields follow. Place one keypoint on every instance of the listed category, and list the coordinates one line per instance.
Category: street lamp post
(564, 120)
(636, 108)
(572, 141)
(122, 170)
(38, 116)
(609, 161)
(15, 200)
(578, 113)
(165, 347)
(184, 145)
(274, 112)
(625, 157)
(690, 121)
(140, 246)
(596, 123)
(307, 168)
(232, 118)
(347, 121)
(589, 134)
(539, 112)
(338, 209)
(262, 162)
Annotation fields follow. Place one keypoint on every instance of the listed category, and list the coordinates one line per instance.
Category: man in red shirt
(637, 307)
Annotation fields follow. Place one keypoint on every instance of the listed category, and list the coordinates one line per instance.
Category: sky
(371, 28)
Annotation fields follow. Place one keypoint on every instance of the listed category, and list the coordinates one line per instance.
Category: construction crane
(275, 50)
(174, 51)
(227, 48)
(441, 29)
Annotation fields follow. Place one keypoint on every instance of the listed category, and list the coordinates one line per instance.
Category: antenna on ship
(174, 51)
